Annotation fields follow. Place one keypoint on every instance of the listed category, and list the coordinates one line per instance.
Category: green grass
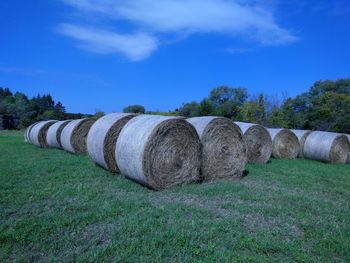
(55, 206)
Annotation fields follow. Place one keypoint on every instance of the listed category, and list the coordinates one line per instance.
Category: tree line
(325, 106)
(23, 111)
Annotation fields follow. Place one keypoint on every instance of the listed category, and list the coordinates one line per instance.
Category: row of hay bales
(162, 151)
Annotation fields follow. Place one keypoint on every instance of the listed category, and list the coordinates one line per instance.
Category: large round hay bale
(53, 136)
(159, 151)
(285, 144)
(327, 147)
(102, 139)
(223, 149)
(73, 136)
(347, 135)
(258, 142)
(27, 132)
(38, 133)
(302, 135)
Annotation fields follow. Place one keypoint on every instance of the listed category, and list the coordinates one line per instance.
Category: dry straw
(285, 144)
(159, 151)
(327, 147)
(223, 149)
(73, 136)
(258, 142)
(38, 133)
(302, 135)
(53, 136)
(102, 139)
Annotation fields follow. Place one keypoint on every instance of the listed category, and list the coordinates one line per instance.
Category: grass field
(55, 206)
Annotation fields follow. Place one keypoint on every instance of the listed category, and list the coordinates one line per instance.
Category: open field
(55, 206)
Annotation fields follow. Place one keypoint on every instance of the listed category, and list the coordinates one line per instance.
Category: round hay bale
(53, 136)
(258, 142)
(38, 133)
(327, 147)
(159, 151)
(102, 139)
(302, 135)
(223, 149)
(73, 136)
(347, 135)
(285, 144)
(27, 132)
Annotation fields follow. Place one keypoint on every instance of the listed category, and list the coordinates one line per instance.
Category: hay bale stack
(159, 151)
(102, 139)
(302, 135)
(53, 136)
(285, 144)
(258, 142)
(223, 149)
(38, 133)
(73, 136)
(327, 147)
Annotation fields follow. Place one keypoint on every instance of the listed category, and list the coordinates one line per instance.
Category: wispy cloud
(136, 46)
(22, 71)
(236, 51)
(248, 19)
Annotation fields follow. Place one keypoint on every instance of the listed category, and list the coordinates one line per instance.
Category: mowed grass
(55, 206)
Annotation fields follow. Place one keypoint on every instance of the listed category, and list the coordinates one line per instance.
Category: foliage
(325, 106)
(134, 109)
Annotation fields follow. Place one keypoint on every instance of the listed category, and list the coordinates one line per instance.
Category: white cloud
(136, 46)
(249, 19)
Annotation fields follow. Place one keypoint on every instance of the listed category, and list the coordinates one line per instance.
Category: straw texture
(27, 132)
(285, 144)
(102, 139)
(327, 147)
(38, 133)
(54, 133)
(258, 142)
(73, 136)
(302, 135)
(159, 151)
(223, 149)
(348, 136)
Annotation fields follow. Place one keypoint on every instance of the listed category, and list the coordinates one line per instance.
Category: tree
(134, 109)
(189, 109)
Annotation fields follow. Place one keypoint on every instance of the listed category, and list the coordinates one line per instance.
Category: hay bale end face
(327, 147)
(223, 149)
(347, 135)
(102, 139)
(38, 133)
(27, 132)
(285, 144)
(159, 151)
(73, 136)
(302, 135)
(54, 133)
(258, 142)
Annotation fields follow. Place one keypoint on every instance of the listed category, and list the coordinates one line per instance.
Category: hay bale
(327, 147)
(102, 139)
(27, 132)
(223, 149)
(159, 151)
(38, 133)
(285, 144)
(302, 135)
(347, 135)
(53, 136)
(258, 142)
(73, 136)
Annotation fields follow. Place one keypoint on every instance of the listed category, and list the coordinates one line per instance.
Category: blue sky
(107, 54)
